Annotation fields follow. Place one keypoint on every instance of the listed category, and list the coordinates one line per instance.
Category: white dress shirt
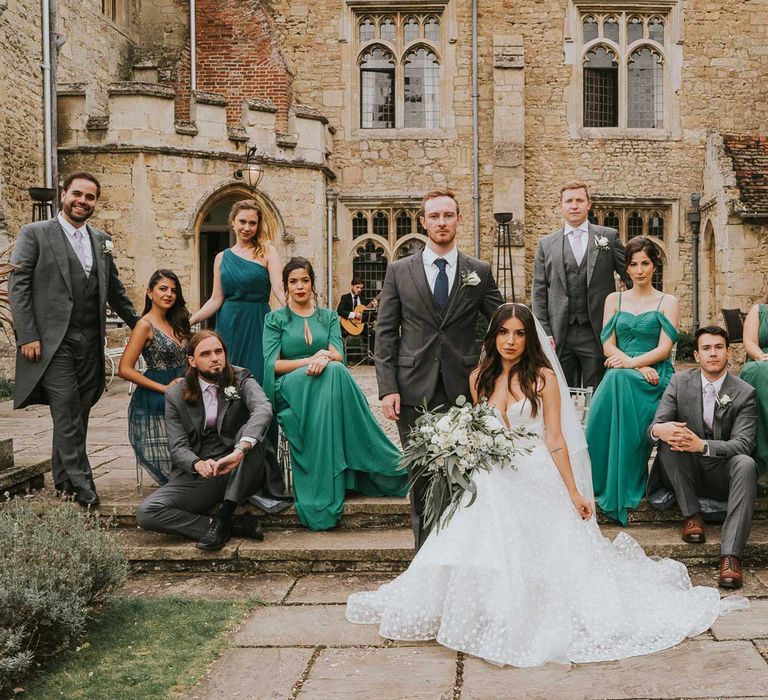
(429, 256)
(568, 233)
(211, 406)
(70, 230)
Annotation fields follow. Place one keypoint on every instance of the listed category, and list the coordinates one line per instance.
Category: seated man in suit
(349, 302)
(216, 419)
(706, 425)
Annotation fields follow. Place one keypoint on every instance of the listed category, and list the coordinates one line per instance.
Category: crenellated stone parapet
(141, 113)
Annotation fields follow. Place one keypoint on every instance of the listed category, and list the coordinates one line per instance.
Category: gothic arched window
(377, 89)
(421, 85)
(645, 89)
(601, 88)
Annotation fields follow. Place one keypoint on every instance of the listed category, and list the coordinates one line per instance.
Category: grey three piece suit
(426, 353)
(729, 472)
(180, 506)
(53, 301)
(568, 298)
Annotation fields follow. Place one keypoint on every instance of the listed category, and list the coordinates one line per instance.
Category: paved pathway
(298, 645)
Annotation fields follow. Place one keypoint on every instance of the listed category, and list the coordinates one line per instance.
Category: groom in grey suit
(705, 423)
(425, 334)
(59, 291)
(573, 273)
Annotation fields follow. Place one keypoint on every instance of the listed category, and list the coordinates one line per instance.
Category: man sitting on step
(706, 425)
(216, 418)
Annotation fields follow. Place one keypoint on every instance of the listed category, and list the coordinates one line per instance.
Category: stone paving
(298, 644)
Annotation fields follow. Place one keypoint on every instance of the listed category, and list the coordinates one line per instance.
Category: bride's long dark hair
(527, 370)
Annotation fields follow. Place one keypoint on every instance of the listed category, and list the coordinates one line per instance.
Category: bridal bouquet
(448, 447)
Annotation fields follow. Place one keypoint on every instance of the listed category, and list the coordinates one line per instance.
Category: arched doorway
(707, 277)
(214, 234)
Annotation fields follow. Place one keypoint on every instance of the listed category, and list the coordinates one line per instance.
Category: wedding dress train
(518, 578)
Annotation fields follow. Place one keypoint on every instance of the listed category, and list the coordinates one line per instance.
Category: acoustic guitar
(355, 326)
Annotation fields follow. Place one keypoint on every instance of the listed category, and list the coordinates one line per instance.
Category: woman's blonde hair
(260, 241)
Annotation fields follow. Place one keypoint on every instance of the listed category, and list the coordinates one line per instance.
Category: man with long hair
(216, 419)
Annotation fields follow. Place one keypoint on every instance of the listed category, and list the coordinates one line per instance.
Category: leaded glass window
(432, 29)
(370, 265)
(381, 224)
(422, 90)
(367, 29)
(388, 30)
(403, 224)
(634, 225)
(377, 89)
(589, 28)
(634, 29)
(410, 29)
(359, 225)
(656, 225)
(645, 94)
(611, 220)
(601, 88)
(611, 29)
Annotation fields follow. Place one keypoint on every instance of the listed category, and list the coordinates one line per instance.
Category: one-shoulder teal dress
(621, 411)
(240, 320)
(336, 444)
(756, 374)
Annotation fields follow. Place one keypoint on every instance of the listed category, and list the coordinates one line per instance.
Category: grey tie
(80, 249)
(211, 406)
(578, 244)
(709, 405)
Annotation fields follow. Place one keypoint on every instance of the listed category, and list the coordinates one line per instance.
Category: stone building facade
(359, 107)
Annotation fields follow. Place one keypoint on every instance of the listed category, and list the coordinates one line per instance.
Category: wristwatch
(243, 446)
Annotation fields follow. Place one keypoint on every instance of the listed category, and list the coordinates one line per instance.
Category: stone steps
(364, 512)
(385, 550)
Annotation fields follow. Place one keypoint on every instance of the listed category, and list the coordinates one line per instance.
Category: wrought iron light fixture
(252, 172)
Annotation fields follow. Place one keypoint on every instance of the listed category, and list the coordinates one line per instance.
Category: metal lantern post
(694, 218)
(42, 202)
(505, 274)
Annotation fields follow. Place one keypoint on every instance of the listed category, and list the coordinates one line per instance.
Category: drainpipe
(330, 206)
(475, 133)
(192, 46)
(47, 120)
(694, 218)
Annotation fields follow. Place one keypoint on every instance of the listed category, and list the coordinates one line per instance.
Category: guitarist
(349, 303)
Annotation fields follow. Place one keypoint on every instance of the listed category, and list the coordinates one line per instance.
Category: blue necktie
(441, 283)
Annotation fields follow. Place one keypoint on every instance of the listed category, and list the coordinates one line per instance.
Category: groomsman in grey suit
(425, 335)
(216, 420)
(706, 425)
(573, 273)
(58, 295)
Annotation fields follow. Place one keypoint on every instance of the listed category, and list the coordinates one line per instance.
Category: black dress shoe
(87, 497)
(247, 526)
(218, 533)
(65, 490)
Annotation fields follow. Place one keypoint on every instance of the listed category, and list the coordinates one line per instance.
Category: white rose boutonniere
(724, 400)
(230, 393)
(469, 279)
(601, 243)
(107, 247)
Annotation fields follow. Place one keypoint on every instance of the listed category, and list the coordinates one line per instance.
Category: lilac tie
(80, 249)
(709, 405)
(211, 406)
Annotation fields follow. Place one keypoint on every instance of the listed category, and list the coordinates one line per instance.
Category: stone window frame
(352, 12)
(672, 53)
(624, 208)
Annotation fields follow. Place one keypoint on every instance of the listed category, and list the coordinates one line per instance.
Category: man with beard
(216, 420)
(58, 292)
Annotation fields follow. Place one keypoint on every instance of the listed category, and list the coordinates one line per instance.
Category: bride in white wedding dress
(523, 576)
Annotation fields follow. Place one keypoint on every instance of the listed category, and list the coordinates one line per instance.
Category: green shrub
(684, 347)
(6, 388)
(55, 564)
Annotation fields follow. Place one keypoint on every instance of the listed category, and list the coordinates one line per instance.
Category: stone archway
(708, 297)
(212, 233)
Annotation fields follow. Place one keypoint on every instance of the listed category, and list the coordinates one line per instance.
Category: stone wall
(97, 51)
(21, 113)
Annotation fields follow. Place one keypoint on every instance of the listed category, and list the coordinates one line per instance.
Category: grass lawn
(140, 649)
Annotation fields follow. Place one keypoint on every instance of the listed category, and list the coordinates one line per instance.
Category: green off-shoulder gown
(335, 442)
(756, 374)
(621, 411)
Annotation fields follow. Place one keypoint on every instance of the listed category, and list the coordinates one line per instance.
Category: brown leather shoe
(730, 572)
(693, 530)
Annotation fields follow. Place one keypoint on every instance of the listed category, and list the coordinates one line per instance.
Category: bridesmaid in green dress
(243, 277)
(755, 372)
(639, 330)
(336, 444)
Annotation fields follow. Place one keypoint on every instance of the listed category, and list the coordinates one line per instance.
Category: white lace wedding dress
(518, 578)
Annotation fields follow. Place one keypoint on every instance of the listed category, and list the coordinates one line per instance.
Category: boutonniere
(724, 400)
(601, 243)
(469, 279)
(107, 247)
(230, 393)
